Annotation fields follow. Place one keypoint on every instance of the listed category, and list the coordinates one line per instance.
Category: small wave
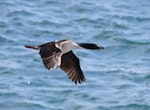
(4, 39)
(128, 17)
(119, 69)
(19, 105)
(128, 41)
(44, 23)
(14, 13)
(147, 77)
(8, 94)
(3, 24)
(132, 107)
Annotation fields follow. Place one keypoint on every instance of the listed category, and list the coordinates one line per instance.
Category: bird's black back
(48, 49)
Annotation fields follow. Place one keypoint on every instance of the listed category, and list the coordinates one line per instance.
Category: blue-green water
(118, 77)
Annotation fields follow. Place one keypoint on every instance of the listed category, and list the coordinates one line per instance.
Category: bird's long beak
(90, 46)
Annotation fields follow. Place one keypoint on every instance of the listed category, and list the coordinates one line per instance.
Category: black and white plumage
(59, 54)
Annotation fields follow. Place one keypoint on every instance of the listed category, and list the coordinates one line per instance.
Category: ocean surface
(118, 77)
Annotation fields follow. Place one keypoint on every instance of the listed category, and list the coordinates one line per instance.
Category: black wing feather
(71, 65)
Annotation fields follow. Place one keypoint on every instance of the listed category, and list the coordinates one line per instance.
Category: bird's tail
(32, 47)
(90, 46)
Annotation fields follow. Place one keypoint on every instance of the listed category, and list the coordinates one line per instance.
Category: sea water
(117, 77)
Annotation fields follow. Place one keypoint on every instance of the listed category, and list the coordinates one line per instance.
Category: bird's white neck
(66, 47)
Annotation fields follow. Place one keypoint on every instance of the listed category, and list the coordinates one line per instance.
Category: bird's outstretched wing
(51, 55)
(70, 64)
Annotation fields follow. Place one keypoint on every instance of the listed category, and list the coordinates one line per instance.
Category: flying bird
(59, 54)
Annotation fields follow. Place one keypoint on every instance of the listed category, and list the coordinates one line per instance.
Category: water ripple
(117, 76)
